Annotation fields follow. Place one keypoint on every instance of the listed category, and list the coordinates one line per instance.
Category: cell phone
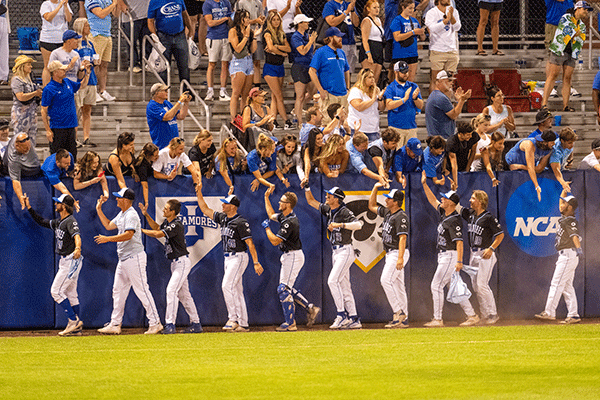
(101, 174)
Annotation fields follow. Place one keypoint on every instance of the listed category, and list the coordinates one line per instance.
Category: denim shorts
(273, 70)
(241, 65)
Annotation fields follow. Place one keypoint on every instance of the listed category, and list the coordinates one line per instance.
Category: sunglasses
(23, 140)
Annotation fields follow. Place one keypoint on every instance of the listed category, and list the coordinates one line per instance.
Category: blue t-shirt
(559, 154)
(535, 133)
(299, 40)
(60, 100)
(391, 11)
(517, 156)
(161, 131)
(596, 84)
(556, 9)
(399, 24)
(330, 69)
(261, 164)
(98, 26)
(432, 164)
(167, 15)
(402, 117)
(218, 10)
(334, 8)
(403, 162)
(51, 170)
(304, 131)
(438, 123)
(87, 50)
(356, 162)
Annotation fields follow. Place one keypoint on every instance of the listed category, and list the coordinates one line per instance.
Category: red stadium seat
(472, 79)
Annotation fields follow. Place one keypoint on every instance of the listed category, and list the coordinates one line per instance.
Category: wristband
(179, 102)
(368, 52)
(491, 248)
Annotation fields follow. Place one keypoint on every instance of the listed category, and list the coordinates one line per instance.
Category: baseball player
(292, 259)
(236, 238)
(176, 250)
(340, 223)
(450, 253)
(394, 235)
(568, 245)
(485, 235)
(131, 268)
(68, 247)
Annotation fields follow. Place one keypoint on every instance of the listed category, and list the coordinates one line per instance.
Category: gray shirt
(129, 220)
(138, 8)
(65, 58)
(19, 164)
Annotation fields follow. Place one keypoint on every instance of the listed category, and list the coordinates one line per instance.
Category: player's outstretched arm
(41, 221)
(151, 222)
(153, 233)
(206, 210)
(530, 160)
(268, 206)
(373, 199)
(108, 225)
(428, 193)
(311, 199)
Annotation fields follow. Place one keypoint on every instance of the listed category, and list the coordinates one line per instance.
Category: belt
(175, 259)
(564, 251)
(339, 246)
(477, 249)
(445, 251)
(230, 254)
(290, 251)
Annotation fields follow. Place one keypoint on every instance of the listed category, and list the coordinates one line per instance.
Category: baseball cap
(70, 34)
(414, 145)
(125, 193)
(443, 75)
(56, 65)
(231, 199)
(546, 136)
(337, 192)
(401, 66)
(333, 31)
(157, 87)
(452, 196)
(571, 200)
(596, 144)
(256, 92)
(65, 199)
(4, 123)
(396, 195)
(541, 116)
(298, 19)
(582, 4)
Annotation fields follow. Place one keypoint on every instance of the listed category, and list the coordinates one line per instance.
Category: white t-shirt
(65, 58)
(482, 144)
(166, 164)
(442, 38)
(129, 220)
(588, 162)
(52, 32)
(369, 117)
(288, 18)
(3, 147)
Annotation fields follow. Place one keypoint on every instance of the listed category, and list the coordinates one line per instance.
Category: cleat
(554, 93)
(337, 322)
(396, 320)
(285, 327)
(110, 329)
(72, 326)
(210, 95)
(434, 323)
(353, 324)
(230, 325)
(169, 329)
(194, 328)
(492, 319)
(240, 328)
(223, 96)
(107, 97)
(472, 320)
(312, 315)
(154, 329)
(404, 324)
(571, 320)
(545, 316)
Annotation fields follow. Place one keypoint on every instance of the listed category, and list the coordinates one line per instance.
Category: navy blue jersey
(483, 228)
(449, 230)
(567, 229)
(174, 231)
(394, 225)
(234, 232)
(342, 214)
(289, 232)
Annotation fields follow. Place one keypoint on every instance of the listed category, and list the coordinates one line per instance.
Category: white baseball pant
(446, 263)
(178, 289)
(233, 289)
(339, 279)
(562, 284)
(131, 273)
(481, 283)
(392, 281)
(291, 264)
(64, 287)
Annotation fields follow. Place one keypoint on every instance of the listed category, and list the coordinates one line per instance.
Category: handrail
(593, 32)
(232, 136)
(129, 41)
(145, 63)
(184, 83)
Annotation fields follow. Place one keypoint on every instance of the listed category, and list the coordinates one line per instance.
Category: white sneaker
(106, 96)
(223, 96)
(137, 69)
(210, 95)
(575, 93)
(110, 329)
(337, 322)
(434, 323)
(72, 325)
(99, 98)
(154, 329)
(553, 93)
(472, 320)
(353, 324)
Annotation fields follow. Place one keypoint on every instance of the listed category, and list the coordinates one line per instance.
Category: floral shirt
(568, 30)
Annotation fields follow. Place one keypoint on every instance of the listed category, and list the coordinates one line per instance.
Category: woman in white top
(371, 53)
(56, 16)
(167, 164)
(364, 103)
(502, 119)
(481, 124)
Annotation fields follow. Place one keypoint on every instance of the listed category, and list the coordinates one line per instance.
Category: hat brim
(57, 200)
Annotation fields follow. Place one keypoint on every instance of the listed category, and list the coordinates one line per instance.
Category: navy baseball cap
(452, 196)
(414, 145)
(337, 192)
(231, 199)
(546, 136)
(571, 200)
(395, 194)
(69, 34)
(401, 66)
(333, 31)
(65, 199)
(125, 193)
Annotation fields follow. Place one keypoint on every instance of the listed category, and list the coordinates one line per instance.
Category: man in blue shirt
(314, 116)
(543, 120)
(342, 14)
(408, 159)
(55, 167)
(330, 72)
(440, 115)
(403, 100)
(162, 116)
(217, 14)
(357, 147)
(596, 95)
(561, 151)
(168, 20)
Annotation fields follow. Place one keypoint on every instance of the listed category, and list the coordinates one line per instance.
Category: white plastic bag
(155, 61)
(458, 291)
(194, 54)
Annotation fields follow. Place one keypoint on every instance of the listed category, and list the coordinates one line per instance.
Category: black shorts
(389, 48)
(300, 74)
(376, 52)
(490, 6)
(409, 60)
(193, 7)
(50, 46)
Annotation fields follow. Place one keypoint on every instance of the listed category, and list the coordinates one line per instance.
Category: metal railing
(145, 63)
(197, 100)
(592, 32)
(128, 40)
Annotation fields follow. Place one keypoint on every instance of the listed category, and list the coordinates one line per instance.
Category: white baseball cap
(298, 19)
(443, 75)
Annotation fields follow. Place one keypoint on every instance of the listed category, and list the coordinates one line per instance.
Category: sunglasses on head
(23, 140)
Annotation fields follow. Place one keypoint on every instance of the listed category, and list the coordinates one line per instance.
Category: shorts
(388, 49)
(491, 7)
(50, 46)
(86, 96)
(259, 54)
(103, 47)
(409, 60)
(218, 50)
(277, 71)
(300, 73)
(549, 31)
(376, 52)
(351, 56)
(243, 65)
(193, 7)
(565, 60)
(447, 61)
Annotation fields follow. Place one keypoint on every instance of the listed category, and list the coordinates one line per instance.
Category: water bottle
(580, 64)
(518, 63)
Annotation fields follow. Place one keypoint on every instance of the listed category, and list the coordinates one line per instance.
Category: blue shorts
(244, 65)
(273, 70)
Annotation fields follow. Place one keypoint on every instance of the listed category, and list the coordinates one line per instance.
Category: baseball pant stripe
(142, 290)
(481, 285)
(392, 281)
(62, 287)
(184, 295)
(562, 284)
(179, 273)
(233, 289)
(340, 261)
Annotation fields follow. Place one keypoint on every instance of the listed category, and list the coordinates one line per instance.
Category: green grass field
(510, 362)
